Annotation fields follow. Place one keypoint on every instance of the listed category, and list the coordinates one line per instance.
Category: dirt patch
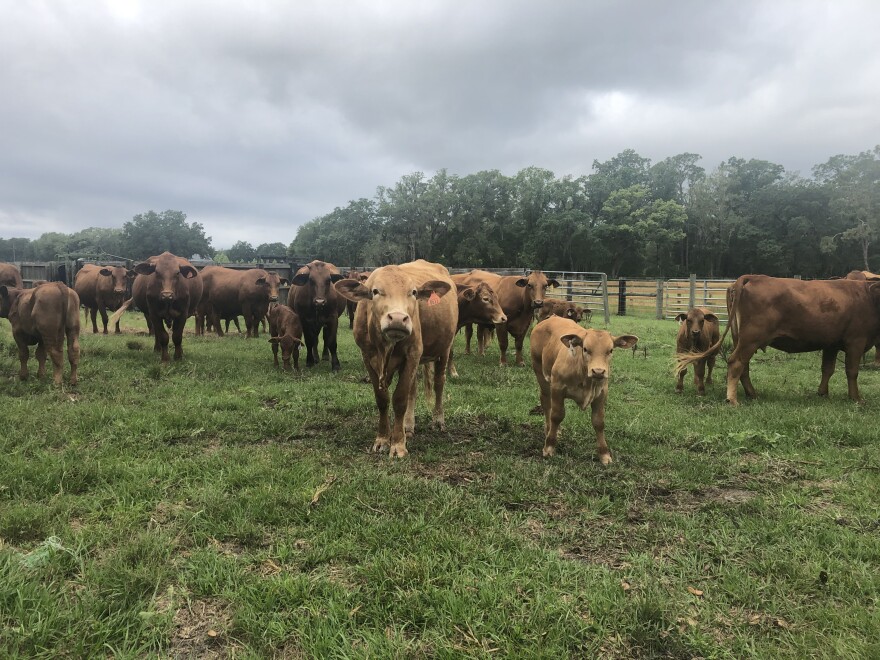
(201, 629)
(451, 474)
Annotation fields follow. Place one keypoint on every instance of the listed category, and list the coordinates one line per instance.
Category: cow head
(535, 286)
(320, 277)
(168, 273)
(8, 295)
(271, 281)
(393, 299)
(596, 346)
(484, 305)
(695, 319)
(119, 277)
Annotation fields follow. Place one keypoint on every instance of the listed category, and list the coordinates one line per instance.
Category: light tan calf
(405, 319)
(572, 362)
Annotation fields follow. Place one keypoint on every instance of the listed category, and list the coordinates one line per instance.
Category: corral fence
(666, 298)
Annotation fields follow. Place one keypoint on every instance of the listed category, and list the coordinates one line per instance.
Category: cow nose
(273, 298)
(398, 318)
(118, 290)
(320, 302)
(538, 303)
(503, 319)
(167, 295)
(597, 373)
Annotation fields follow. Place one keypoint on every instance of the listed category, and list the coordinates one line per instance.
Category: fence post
(692, 293)
(568, 290)
(605, 298)
(621, 296)
(659, 299)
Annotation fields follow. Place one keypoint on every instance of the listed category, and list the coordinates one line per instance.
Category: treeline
(628, 217)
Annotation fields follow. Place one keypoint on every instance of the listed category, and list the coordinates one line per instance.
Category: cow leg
(710, 363)
(406, 384)
(518, 342)
(679, 386)
(275, 351)
(177, 336)
(217, 322)
(409, 421)
(738, 368)
(295, 355)
(24, 354)
(699, 374)
(877, 355)
(439, 419)
(310, 334)
(380, 393)
(746, 380)
(468, 333)
(553, 420)
(330, 344)
(73, 352)
(598, 419)
(103, 312)
(502, 344)
(853, 358)
(93, 311)
(161, 338)
(453, 372)
(829, 362)
(482, 340)
(544, 387)
(56, 354)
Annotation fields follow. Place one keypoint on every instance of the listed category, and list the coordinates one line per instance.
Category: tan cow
(697, 331)
(101, 288)
(10, 276)
(797, 316)
(44, 316)
(572, 362)
(563, 308)
(519, 298)
(404, 319)
(476, 305)
(285, 330)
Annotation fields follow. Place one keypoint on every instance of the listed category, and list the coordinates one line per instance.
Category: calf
(44, 316)
(571, 362)
(404, 318)
(797, 316)
(563, 308)
(697, 331)
(479, 305)
(101, 288)
(286, 330)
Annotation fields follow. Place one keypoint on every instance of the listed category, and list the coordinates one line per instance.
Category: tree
(241, 252)
(151, 233)
(271, 250)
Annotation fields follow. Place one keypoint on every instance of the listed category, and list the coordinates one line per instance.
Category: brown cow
(101, 288)
(478, 305)
(519, 298)
(797, 317)
(286, 330)
(562, 308)
(350, 305)
(44, 316)
(862, 275)
(316, 302)
(572, 362)
(171, 289)
(697, 331)
(405, 319)
(10, 276)
(229, 293)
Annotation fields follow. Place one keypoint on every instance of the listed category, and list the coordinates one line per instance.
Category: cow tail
(65, 297)
(119, 312)
(683, 360)
(429, 379)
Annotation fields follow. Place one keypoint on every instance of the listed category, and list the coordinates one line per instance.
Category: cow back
(10, 276)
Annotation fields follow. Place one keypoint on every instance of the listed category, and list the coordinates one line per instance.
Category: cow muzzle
(166, 296)
(500, 319)
(320, 302)
(119, 291)
(396, 326)
(273, 299)
(598, 373)
(537, 304)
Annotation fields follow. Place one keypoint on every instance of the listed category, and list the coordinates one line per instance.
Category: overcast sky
(255, 117)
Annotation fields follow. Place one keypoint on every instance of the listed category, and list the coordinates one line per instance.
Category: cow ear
(4, 292)
(522, 282)
(553, 283)
(283, 281)
(301, 278)
(625, 341)
(571, 341)
(363, 277)
(131, 274)
(681, 318)
(467, 293)
(352, 290)
(106, 272)
(335, 277)
(711, 317)
(145, 268)
(188, 272)
(874, 289)
(261, 280)
(274, 340)
(433, 286)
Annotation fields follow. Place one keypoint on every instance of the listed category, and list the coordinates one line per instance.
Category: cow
(478, 305)
(45, 316)
(350, 305)
(563, 308)
(229, 293)
(795, 316)
(318, 305)
(101, 288)
(285, 330)
(405, 318)
(170, 289)
(862, 275)
(572, 362)
(519, 298)
(697, 331)
(10, 276)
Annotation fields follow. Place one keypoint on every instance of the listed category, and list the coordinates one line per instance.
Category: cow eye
(413, 293)
(375, 292)
(486, 300)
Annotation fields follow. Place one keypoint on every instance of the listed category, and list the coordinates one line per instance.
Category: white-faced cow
(697, 331)
(572, 362)
(101, 288)
(318, 305)
(404, 318)
(45, 316)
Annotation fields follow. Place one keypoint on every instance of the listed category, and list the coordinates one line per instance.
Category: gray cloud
(254, 119)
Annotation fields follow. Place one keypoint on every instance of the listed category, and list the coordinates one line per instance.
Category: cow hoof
(379, 446)
(733, 402)
(397, 451)
(439, 424)
(605, 459)
(549, 451)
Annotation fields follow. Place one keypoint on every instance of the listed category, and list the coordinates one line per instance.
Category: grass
(218, 507)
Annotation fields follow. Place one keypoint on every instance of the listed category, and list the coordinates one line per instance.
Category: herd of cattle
(407, 315)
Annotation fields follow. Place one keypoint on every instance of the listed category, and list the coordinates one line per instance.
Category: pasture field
(218, 507)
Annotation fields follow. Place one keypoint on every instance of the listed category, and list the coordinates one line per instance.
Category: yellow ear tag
(434, 298)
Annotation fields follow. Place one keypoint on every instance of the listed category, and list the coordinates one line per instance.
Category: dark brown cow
(798, 317)
(350, 305)
(44, 316)
(562, 308)
(571, 362)
(318, 306)
(476, 305)
(101, 288)
(697, 331)
(229, 293)
(405, 318)
(171, 289)
(519, 298)
(10, 276)
(285, 330)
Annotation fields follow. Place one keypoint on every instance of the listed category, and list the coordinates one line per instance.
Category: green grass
(217, 506)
